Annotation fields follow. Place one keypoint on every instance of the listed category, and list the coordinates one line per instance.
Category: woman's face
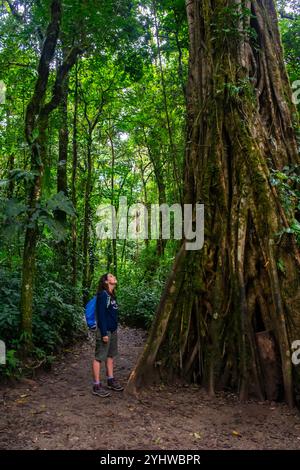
(111, 279)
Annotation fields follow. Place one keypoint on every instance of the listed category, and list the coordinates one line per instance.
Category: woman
(106, 335)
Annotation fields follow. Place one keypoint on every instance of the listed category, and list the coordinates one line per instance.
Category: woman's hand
(105, 339)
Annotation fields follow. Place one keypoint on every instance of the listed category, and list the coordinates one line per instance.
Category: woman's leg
(109, 367)
(96, 370)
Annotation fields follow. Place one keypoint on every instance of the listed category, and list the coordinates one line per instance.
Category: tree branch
(287, 16)
(59, 81)
(47, 54)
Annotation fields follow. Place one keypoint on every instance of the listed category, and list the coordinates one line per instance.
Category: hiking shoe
(100, 391)
(114, 385)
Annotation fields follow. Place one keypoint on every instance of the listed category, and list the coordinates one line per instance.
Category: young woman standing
(106, 335)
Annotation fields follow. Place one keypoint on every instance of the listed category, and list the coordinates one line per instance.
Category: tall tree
(36, 122)
(224, 303)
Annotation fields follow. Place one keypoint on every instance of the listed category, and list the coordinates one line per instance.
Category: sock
(97, 383)
(109, 377)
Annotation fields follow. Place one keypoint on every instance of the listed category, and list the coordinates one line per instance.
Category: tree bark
(241, 123)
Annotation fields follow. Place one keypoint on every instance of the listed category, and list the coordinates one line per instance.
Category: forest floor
(57, 410)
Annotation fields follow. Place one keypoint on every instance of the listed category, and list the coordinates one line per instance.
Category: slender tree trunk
(91, 125)
(161, 188)
(62, 180)
(179, 48)
(11, 156)
(73, 183)
(218, 301)
(165, 100)
(112, 201)
(87, 222)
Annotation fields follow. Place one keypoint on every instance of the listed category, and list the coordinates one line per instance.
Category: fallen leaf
(21, 401)
(235, 433)
(197, 435)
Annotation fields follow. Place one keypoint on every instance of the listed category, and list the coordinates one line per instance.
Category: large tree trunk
(219, 300)
(36, 123)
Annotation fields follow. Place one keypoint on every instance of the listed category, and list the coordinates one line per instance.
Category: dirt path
(58, 411)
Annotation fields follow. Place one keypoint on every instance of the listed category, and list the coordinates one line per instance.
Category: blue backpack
(90, 310)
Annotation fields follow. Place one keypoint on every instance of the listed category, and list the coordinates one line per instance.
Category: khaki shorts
(105, 350)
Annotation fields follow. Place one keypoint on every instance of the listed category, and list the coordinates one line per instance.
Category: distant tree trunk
(145, 201)
(62, 180)
(173, 150)
(179, 48)
(11, 156)
(11, 184)
(36, 123)
(87, 222)
(155, 159)
(91, 125)
(73, 183)
(241, 123)
(112, 201)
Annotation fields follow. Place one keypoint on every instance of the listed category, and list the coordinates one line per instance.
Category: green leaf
(56, 228)
(60, 202)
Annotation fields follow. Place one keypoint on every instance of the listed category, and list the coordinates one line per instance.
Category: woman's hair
(104, 286)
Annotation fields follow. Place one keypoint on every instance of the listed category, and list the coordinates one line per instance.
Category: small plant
(232, 25)
(12, 367)
(287, 183)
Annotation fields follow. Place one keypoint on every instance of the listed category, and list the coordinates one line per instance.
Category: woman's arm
(101, 313)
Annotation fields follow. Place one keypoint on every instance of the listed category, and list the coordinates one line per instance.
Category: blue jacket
(106, 313)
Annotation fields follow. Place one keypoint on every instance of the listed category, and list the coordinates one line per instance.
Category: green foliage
(12, 366)
(121, 109)
(231, 24)
(138, 304)
(242, 88)
(139, 298)
(56, 319)
(287, 183)
(128, 89)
